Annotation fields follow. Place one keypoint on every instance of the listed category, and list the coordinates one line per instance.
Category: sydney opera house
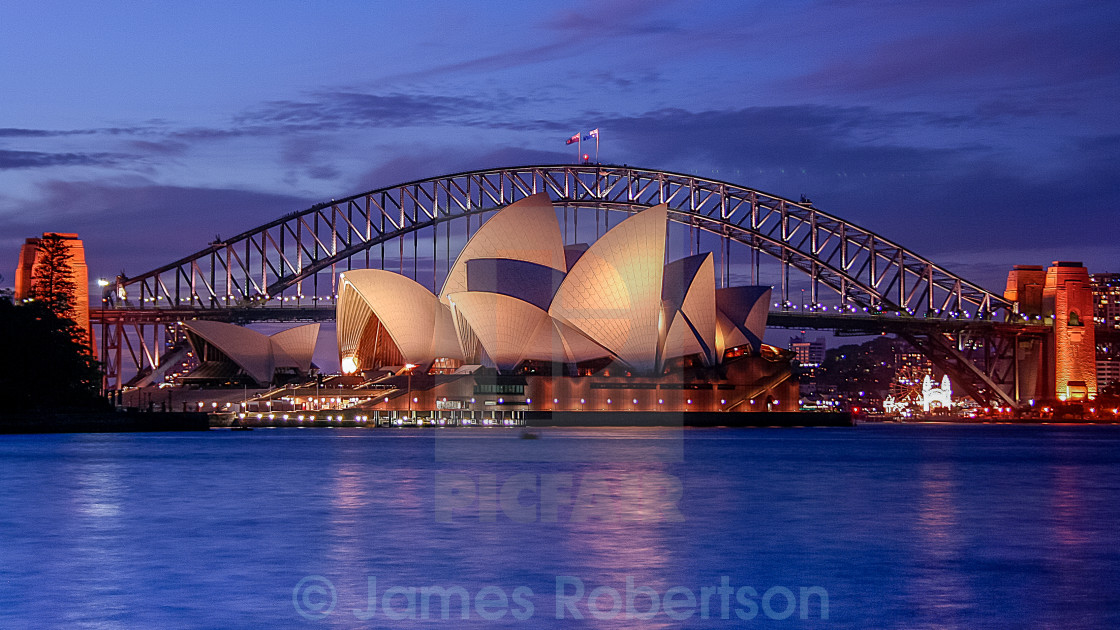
(525, 323)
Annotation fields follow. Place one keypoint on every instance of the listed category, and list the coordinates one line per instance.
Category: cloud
(1001, 51)
(338, 110)
(310, 156)
(218, 133)
(37, 159)
(829, 141)
(12, 132)
(420, 162)
(159, 147)
(15, 132)
(613, 18)
(498, 61)
(571, 32)
(870, 167)
(139, 225)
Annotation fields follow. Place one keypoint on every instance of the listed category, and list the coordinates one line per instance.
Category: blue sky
(979, 134)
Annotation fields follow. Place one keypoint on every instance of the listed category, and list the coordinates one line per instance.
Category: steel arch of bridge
(865, 269)
(265, 271)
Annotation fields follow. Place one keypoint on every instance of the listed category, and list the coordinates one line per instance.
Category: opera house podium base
(686, 419)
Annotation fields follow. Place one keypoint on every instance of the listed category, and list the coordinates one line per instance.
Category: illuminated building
(523, 322)
(1106, 298)
(810, 357)
(1106, 314)
(1108, 372)
(808, 353)
(1068, 298)
(25, 274)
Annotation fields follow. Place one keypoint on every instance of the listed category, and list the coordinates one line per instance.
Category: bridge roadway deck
(876, 324)
(843, 324)
(244, 315)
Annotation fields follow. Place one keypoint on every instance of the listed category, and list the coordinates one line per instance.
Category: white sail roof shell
(727, 335)
(418, 323)
(505, 325)
(613, 292)
(577, 346)
(742, 313)
(692, 323)
(252, 351)
(513, 330)
(298, 343)
(524, 230)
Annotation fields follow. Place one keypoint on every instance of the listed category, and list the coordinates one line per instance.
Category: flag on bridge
(594, 133)
(573, 139)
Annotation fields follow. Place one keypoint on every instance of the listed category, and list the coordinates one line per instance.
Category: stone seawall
(102, 422)
(687, 419)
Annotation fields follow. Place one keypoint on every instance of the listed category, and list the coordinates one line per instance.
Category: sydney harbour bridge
(827, 273)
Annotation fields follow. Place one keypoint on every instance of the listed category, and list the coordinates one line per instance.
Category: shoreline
(32, 422)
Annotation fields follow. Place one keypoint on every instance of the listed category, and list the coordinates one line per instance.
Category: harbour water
(877, 526)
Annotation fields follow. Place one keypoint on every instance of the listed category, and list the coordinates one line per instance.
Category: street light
(102, 282)
(409, 367)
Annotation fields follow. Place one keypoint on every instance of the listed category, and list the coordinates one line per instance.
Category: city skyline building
(1106, 298)
(1106, 314)
(808, 353)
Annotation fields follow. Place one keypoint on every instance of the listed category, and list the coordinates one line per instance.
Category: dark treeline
(44, 364)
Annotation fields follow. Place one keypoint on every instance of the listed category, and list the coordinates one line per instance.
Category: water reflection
(345, 529)
(936, 527)
(624, 536)
(95, 563)
(1072, 533)
(938, 590)
(350, 493)
(98, 492)
(1071, 528)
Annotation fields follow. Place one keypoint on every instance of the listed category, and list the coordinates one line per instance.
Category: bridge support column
(1065, 365)
(1068, 299)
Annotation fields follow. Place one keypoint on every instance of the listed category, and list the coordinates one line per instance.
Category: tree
(42, 364)
(52, 283)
